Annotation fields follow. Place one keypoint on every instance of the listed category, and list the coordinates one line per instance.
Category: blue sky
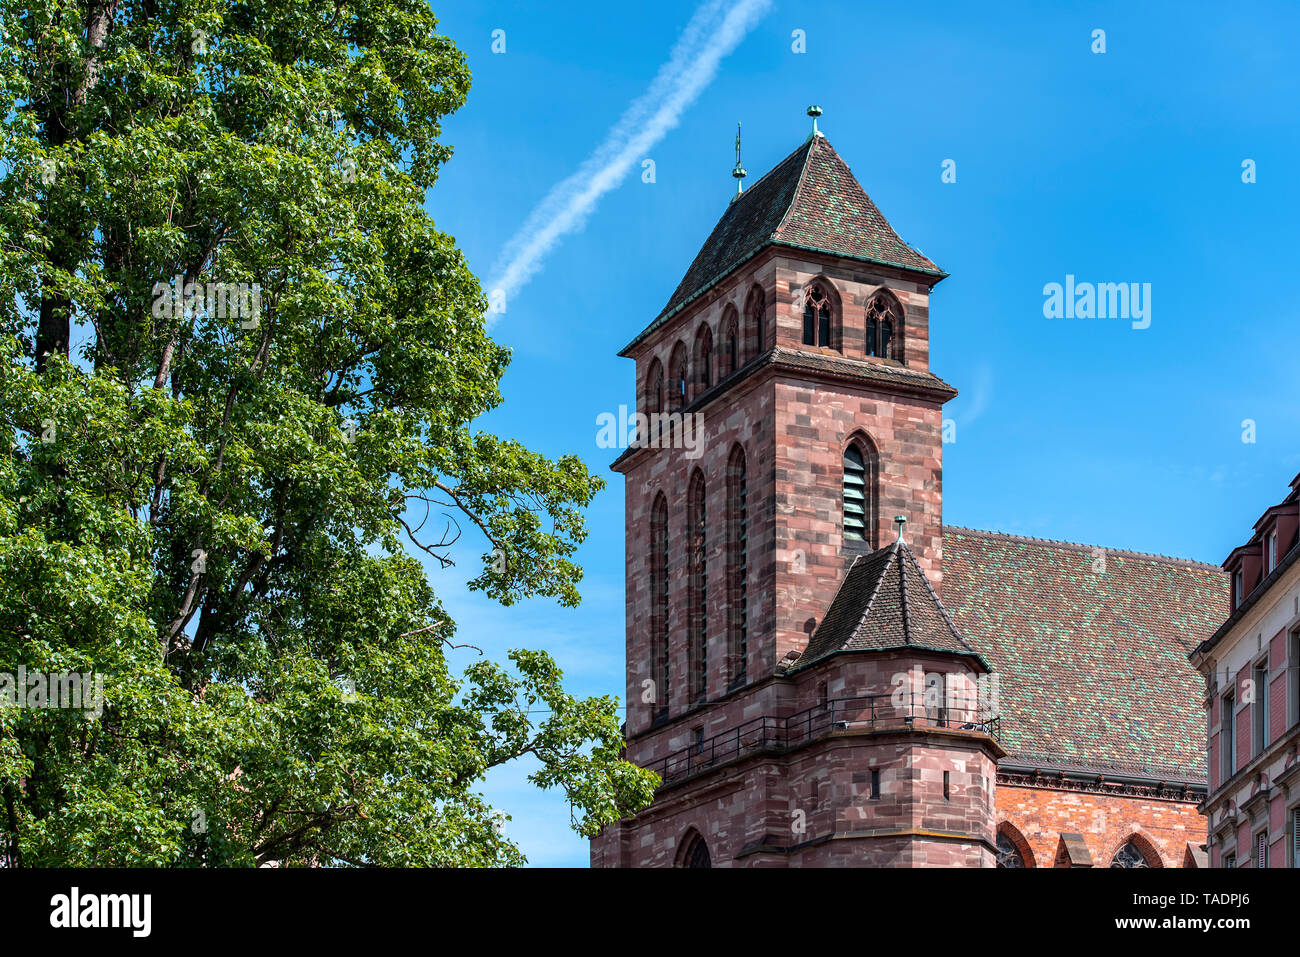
(1124, 166)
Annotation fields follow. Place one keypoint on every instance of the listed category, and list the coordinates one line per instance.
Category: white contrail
(713, 32)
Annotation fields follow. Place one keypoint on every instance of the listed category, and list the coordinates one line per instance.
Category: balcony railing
(870, 713)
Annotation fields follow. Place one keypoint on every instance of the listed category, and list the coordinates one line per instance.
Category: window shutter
(1261, 849)
(855, 495)
(1295, 837)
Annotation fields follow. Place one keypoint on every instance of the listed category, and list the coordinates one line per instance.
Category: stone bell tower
(791, 672)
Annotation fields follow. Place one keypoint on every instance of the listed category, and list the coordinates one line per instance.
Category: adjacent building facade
(819, 683)
(1251, 667)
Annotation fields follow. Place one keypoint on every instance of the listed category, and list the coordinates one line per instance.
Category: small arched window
(698, 592)
(884, 332)
(1008, 854)
(1130, 855)
(859, 493)
(659, 614)
(738, 566)
(654, 388)
(731, 346)
(695, 853)
(677, 376)
(816, 317)
(704, 358)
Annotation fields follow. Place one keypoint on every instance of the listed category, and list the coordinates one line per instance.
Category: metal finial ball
(814, 111)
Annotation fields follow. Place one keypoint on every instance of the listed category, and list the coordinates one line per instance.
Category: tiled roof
(885, 602)
(1092, 663)
(810, 200)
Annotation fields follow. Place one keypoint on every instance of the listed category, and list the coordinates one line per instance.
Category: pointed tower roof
(810, 201)
(886, 603)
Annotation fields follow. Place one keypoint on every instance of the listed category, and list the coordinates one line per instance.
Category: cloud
(714, 31)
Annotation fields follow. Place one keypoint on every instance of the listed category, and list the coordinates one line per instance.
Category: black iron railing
(870, 713)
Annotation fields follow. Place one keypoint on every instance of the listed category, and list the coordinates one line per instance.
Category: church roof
(1091, 657)
(810, 201)
(885, 602)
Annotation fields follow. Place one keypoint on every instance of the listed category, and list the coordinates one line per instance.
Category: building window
(738, 564)
(1261, 849)
(659, 618)
(875, 782)
(696, 853)
(1008, 854)
(1295, 837)
(704, 358)
(1230, 861)
(1259, 710)
(699, 596)
(816, 317)
(1238, 591)
(1270, 552)
(1128, 856)
(1293, 677)
(947, 785)
(1228, 736)
(677, 375)
(654, 388)
(884, 333)
(731, 345)
(859, 493)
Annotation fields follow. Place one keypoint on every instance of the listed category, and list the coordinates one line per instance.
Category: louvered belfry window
(856, 505)
(1295, 837)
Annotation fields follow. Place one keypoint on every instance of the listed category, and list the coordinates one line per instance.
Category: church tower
(791, 672)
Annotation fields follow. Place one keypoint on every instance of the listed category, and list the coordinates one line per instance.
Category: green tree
(241, 367)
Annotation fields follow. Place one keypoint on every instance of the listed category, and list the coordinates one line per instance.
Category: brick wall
(1104, 821)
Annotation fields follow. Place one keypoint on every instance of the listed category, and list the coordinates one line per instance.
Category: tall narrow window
(1270, 557)
(738, 565)
(1293, 677)
(1238, 589)
(1228, 732)
(816, 317)
(1261, 849)
(1259, 710)
(659, 616)
(857, 495)
(699, 595)
(704, 358)
(884, 328)
(755, 310)
(677, 375)
(731, 345)
(1295, 837)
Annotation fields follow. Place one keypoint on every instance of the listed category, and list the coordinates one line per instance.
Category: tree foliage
(222, 509)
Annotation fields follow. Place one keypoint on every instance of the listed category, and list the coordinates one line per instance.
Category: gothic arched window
(884, 332)
(659, 596)
(695, 853)
(1008, 854)
(1130, 855)
(704, 358)
(859, 493)
(698, 599)
(654, 388)
(677, 376)
(816, 317)
(738, 566)
(730, 343)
